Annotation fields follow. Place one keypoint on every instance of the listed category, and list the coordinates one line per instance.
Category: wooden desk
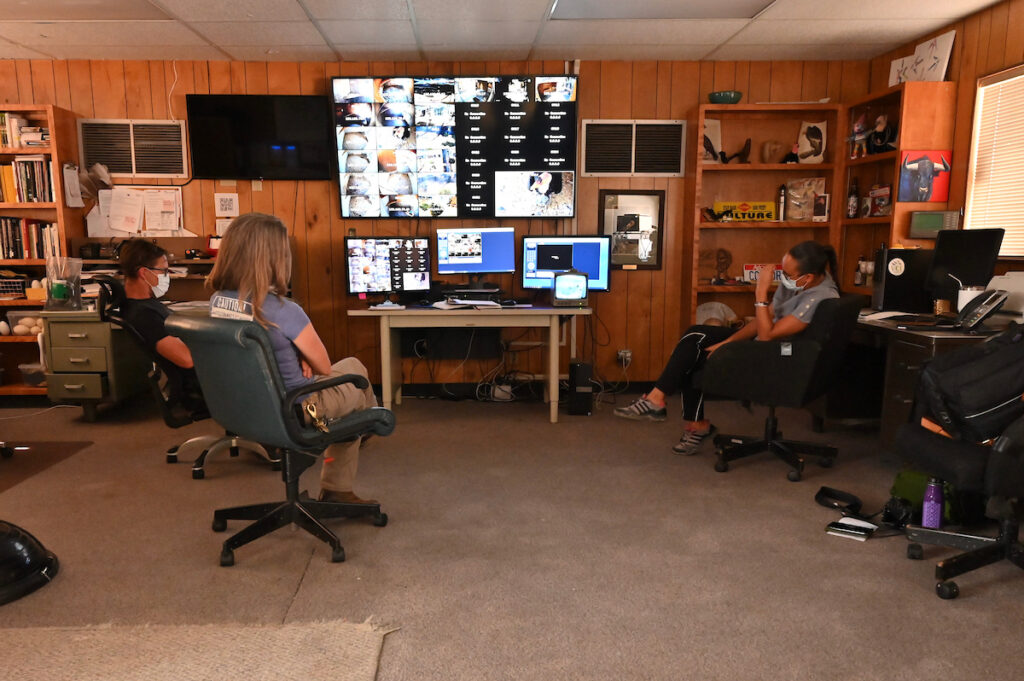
(427, 317)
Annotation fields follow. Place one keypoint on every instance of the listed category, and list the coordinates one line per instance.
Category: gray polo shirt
(802, 304)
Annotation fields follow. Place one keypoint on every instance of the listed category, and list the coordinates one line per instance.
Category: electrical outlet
(625, 357)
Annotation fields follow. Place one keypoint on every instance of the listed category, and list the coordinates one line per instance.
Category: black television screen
(253, 137)
(467, 146)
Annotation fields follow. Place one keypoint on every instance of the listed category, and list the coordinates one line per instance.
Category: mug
(966, 295)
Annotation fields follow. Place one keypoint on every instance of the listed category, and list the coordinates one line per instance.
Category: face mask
(163, 282)
(790, 283)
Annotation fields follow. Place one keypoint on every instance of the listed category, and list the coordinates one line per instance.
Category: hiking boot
(689, 444)
(334, 497)
(642, 409)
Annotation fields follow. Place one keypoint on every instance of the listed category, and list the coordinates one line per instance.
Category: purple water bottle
(931, 513)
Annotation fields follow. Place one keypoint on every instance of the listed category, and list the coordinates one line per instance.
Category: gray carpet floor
(518, 549)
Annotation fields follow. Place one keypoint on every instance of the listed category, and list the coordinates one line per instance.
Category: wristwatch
(759, 303)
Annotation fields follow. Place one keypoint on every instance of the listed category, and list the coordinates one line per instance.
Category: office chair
(179, 403)
(791, 372)
(996, 472)
(238, 372)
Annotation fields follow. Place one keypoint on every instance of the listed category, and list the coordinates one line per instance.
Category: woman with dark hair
(804, 284)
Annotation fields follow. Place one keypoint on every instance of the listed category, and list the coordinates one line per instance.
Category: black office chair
(238, 372)
(784, 373)
(180, 403)
(996, 472)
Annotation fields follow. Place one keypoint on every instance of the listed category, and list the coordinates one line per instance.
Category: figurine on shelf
(743, 154)
(710, 215)
(859, 138)
(793, 156)
(883, 137)
(723, 259)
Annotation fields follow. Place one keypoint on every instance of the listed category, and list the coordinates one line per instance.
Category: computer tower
(581, 389)
(900, 275)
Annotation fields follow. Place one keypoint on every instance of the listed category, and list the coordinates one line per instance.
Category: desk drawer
(79, 334)
(79, 359)
(76, 386)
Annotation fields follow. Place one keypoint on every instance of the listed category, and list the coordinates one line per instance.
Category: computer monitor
(546, 256)
(387, 264)
(967, 254)
(476, 250)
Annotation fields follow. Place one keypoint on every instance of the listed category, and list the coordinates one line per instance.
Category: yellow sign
(746, 211)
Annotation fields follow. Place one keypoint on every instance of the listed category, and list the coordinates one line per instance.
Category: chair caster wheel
(172, 458)
(233, 451)
(380, 520)
(219, 525)
(915, 552)
(227, 558)
(338, 555)
(6, 452)
(198, 474)
(721, 466)
(947, 591)
(794, 475)
(826, 462)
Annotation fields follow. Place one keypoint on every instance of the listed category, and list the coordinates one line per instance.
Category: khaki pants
(341, 460)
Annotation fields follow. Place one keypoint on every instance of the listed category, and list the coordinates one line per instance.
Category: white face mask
(163, 282)
(790, 283)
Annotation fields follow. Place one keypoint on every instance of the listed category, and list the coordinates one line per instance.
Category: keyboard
(922, 319)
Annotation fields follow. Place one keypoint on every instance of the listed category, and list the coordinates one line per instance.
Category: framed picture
(634, 218)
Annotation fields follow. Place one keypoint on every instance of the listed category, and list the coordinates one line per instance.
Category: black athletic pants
(688, 356)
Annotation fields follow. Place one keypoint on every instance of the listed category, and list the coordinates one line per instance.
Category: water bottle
(931, 514)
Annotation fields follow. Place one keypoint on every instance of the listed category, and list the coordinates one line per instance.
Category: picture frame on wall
(634, 218)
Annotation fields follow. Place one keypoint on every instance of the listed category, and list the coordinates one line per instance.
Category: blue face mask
(790, 283)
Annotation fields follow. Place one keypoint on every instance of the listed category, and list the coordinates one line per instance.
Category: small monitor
(387, 264)
(476, 250)
(570, 289)
(546, 256)
(963, 257)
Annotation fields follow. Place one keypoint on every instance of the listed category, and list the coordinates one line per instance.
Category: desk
(427, 317)
(906, 352)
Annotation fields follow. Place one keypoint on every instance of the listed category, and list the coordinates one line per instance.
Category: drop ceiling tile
(474, 10)
(80, 10)
(453, 33)
(280, 52)
(378, 10)
(884, 10)
(155, 52)
(798, 52)
(640, 32)
(236, 10)
(829, 32)
(658, 9)
(623, 52)
(366, 32)
(98, 33)
(259, 32)
(476, 52)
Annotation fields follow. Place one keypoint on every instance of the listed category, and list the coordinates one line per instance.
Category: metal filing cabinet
(89, 361)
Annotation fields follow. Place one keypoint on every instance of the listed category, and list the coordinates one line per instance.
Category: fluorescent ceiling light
(658, 9)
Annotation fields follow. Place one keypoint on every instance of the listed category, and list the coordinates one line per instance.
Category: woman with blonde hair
(250, 279)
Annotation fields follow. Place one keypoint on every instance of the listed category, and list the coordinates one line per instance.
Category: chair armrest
(376, 420)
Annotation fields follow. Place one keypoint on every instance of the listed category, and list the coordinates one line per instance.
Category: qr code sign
(225, 205)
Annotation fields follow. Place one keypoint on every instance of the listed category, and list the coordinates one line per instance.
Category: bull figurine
(917, 178)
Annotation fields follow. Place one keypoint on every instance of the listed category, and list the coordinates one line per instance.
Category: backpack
(975, 391)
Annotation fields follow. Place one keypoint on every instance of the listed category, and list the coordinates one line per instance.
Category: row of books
(26, 180)
(15, 131)
(21, 238)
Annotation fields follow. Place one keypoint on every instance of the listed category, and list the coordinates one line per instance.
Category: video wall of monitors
(459, 147)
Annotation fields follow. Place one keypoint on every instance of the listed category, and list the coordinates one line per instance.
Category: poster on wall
(924, 176)
(928, 62)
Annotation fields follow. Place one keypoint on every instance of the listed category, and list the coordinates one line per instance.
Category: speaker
(581, 390)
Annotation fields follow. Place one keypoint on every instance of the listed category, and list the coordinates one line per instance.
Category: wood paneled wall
(645, 311)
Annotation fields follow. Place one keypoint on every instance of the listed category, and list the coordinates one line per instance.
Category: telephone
(980, 308)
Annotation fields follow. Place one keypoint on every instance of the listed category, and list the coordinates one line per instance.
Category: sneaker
(641, 409)
(689, 444)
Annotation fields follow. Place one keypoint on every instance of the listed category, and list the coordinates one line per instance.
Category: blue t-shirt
(802, 303)
(290, 320)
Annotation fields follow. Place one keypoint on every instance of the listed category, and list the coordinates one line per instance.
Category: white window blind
(995, 178)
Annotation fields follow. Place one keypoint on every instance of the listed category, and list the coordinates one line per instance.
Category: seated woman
(805, 283)
(254, 265)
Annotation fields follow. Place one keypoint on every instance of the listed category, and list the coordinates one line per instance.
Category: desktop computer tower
(581, 389)
(900, 275)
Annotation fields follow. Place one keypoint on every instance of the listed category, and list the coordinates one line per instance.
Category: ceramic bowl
(725, 97)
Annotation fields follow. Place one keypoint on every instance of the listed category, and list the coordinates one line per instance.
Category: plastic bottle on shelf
(931, 513)
(782, 203)
(853, 199)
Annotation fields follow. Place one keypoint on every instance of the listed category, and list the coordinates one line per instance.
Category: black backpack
(974, 392)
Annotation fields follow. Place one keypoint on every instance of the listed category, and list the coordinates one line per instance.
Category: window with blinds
(995, 178)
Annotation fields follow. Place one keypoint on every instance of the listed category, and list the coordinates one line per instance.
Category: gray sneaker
(642, 409)
(691, 441)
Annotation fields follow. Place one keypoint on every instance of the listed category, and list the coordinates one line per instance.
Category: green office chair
(244, 392)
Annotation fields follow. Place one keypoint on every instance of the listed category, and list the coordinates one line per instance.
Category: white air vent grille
(633, 148)
(130, 148)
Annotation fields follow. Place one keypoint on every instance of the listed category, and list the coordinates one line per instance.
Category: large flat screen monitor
(546, 256)
(966, 254)
(476, 250)
(253, 137)
(387, 264)
(456, 147)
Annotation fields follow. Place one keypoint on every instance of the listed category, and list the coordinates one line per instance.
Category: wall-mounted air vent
(633, 148)
(132, 148)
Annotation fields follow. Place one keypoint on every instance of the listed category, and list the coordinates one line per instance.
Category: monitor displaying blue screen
(476, 250)
(546, 256)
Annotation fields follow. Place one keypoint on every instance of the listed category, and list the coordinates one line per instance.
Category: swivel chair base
(980, 551)
(297, 509)
(731, 447)
(212, 444)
